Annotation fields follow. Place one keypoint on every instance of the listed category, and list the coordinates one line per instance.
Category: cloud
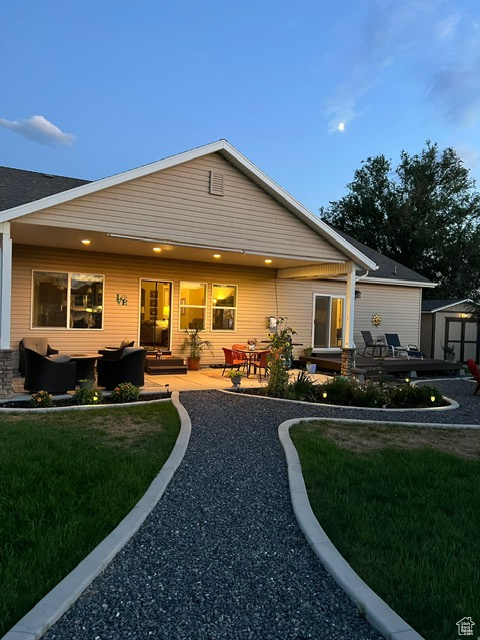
(436, 45)
(38, 129)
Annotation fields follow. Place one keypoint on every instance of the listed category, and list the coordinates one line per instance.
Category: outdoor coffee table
(85, 365)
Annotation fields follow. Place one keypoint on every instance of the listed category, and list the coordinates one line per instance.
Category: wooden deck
(389, 366)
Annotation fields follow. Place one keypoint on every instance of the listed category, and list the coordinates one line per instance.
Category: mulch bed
(69, 402)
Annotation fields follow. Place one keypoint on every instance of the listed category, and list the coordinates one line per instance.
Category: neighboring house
(449, 323)
(200, 239)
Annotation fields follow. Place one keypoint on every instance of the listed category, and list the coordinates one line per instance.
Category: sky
(306, 90)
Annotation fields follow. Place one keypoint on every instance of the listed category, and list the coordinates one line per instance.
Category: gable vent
(217, 183)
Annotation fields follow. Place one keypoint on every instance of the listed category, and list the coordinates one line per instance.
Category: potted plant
(448, 352)
(194, 345)
(84, 383)
(311, 367)
(307, 352)
(235, 376)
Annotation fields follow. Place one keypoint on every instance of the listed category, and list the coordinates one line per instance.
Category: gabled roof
(235, 158)
(18, 187)
(432, 306)
(388, 269)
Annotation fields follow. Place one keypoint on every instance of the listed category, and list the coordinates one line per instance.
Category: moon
(341, 126)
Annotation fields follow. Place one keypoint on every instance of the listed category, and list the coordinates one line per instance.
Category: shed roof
(432, 306)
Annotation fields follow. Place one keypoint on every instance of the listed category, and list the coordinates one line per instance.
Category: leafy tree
(424, 214)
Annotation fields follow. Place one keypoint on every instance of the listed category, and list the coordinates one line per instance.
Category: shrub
(87, 396)
(371, 395)
(41, 399)
(415, 396)
(340, 390)
(302, 388)
(125, 392)
(279, 359)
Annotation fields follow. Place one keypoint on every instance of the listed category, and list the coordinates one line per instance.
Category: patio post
(348, 348)
(6, 353)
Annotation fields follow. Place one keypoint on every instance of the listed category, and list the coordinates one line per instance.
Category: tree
(424, 214)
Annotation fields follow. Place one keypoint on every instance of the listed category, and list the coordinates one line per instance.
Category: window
(328, 322)
(193, 305)
(224, 307)
(79, 294)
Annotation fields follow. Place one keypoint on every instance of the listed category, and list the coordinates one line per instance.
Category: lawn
(402, 506)
(68, 478)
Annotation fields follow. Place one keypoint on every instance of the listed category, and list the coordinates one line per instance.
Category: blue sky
(93, 88)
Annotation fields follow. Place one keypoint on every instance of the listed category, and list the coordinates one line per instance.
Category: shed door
(464, 335)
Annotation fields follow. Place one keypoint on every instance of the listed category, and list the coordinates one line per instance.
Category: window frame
(234, 309)
(69, 296)
(192, 306)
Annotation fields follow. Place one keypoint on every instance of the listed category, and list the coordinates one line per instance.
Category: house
(200, 239)
(448, 323)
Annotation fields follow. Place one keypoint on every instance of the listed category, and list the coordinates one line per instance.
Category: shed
(449, 323)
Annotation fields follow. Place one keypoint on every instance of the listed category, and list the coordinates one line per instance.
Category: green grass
(407, 520)
(67, 479)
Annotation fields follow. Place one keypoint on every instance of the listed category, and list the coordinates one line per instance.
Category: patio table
(85, 365)
(250, 355)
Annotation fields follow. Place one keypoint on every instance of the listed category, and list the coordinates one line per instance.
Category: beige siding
(259, 295)
(399, 308)
(176, 204)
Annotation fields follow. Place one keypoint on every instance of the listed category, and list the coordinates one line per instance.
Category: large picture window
(328, 322)
(224, 307)
(193, 305)
(67, 300)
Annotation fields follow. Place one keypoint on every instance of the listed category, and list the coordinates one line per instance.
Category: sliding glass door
(155, 314)
(328, 322)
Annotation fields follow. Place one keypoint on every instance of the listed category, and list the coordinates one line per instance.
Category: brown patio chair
(55, 373)
(115, 353)
(128, 368)
(38, 344)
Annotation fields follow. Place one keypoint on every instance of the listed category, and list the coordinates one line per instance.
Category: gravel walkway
(221, 556)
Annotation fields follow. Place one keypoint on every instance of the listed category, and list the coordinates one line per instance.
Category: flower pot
(311, 368)
(193, 364)
(85, 384)
(236, 381)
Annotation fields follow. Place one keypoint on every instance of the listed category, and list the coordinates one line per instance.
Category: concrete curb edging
(377, 612)
(52, 606)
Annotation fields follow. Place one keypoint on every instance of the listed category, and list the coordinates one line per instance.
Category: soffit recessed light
(86, 242)
(157, 249)
(268, 261)
(217, 256)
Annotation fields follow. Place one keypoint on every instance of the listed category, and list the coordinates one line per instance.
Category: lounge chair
(38, 344)
(472, 367)
(129, 368)
(55, 373)
(372, 344)
(115, 353)
(394, 345)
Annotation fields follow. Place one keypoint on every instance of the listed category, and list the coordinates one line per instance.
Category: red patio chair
(261, 363)
(475, 374)
(232, 360)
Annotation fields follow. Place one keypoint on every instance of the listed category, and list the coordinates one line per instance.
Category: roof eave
(232, 154)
